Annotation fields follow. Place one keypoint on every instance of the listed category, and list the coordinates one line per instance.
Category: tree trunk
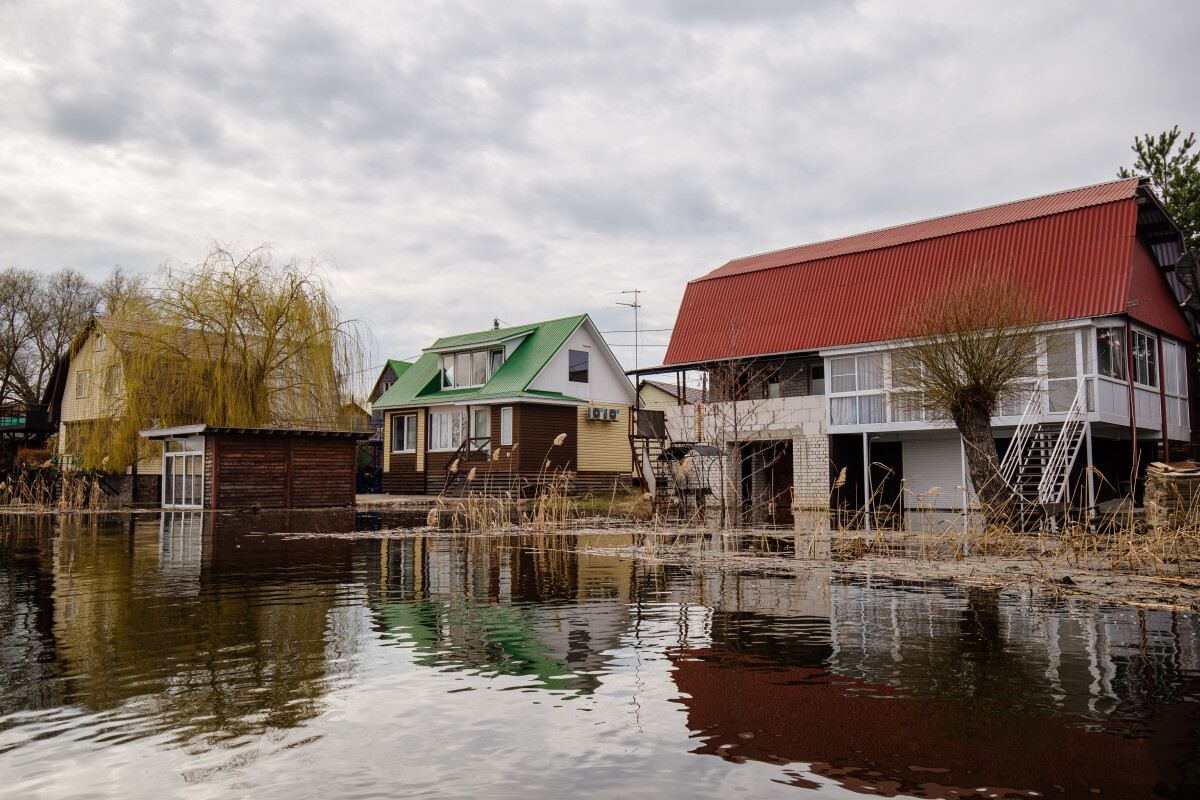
(1000, 503)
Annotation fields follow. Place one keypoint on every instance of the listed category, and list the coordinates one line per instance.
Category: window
(772, 385)
(404, 433)
(817, 379)
(112, 379)
(481, 428)
(506, 432)
(479, 368)
(1145, 359)
(98, 341)
(577, 371)
(861, 375)
(447, 429)
(842, 372)
(1110, 352)
(462, 369)
(81, 383)
(472, 368)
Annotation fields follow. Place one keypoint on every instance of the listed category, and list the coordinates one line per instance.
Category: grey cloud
(464, 160)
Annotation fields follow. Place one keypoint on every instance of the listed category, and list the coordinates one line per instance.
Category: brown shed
(219, 467)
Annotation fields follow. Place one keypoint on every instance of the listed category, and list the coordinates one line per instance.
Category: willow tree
(242, 339)
(971, 349)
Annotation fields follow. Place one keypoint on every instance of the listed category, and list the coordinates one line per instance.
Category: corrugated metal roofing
(1073, 250)
(421, 385)
(989, 217)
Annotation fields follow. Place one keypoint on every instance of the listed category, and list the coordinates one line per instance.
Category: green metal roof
(420, 384)
(398, 367)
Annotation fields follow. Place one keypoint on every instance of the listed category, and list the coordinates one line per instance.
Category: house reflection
(488, 605)
(223, 631)
(940, 692)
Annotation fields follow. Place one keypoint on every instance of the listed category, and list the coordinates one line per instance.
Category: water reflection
(199, 636)
(481, 605)
(940, 692)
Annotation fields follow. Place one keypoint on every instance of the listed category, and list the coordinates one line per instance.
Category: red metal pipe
(1132, 404)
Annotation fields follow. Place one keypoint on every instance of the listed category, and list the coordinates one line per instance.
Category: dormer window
(469, 369)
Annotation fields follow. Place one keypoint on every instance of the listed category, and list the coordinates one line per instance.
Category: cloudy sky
(462, 160)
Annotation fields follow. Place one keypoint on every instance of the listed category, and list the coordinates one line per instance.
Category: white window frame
(406, 421)
(189, 454)
(1144, 351)
(467, 381)
(82, 383)
(506, 426)
(446, 444)
(859, 397)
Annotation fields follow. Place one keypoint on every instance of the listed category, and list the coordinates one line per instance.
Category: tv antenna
(635, 305)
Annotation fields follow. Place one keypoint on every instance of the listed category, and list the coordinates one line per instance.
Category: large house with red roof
(806, 335)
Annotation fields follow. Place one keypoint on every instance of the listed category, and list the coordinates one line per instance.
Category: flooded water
(198, 656)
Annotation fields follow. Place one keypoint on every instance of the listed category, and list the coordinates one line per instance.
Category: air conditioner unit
(614, 414)
(595, 412)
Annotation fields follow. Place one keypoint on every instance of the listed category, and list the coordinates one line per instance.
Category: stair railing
(1062, 457)
(1016, 450)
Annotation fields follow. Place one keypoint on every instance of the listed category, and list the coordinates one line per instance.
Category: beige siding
(420, 440)
(98, 404)
(656, 399)
(387, 438)
(387, 441)
(604, 446)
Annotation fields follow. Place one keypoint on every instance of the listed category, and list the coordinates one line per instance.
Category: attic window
(577, 369)
(469, 369)
(98, 341)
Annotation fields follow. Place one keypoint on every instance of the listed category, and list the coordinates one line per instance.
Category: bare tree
(39, 316)
(69, 300)
(969, 348)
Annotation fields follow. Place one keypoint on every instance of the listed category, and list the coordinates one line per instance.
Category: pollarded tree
(970, 348)
(243, 339)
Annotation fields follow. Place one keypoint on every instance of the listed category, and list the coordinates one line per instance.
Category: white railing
(1058, 467)
(1012, 457)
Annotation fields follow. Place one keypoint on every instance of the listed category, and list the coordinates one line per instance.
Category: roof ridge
(510, 327)
(876, 231)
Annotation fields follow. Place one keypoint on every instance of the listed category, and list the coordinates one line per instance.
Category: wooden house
(496, 401)
(87, 388)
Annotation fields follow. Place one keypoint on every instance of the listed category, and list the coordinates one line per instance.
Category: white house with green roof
(495, 401)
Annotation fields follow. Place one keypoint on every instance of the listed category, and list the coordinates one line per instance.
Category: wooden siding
(278, 471)
(603, 446)
(536, 428)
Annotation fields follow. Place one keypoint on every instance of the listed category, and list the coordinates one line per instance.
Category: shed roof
(1076, 249)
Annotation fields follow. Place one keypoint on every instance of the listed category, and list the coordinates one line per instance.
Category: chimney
(495, 323)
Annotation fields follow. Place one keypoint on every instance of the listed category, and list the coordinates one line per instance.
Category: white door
(481, 428)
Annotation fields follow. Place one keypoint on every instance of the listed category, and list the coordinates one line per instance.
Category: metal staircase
(1037, 465)
(648, 441)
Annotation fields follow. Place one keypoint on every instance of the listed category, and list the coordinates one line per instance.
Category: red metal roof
(1073, 249)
